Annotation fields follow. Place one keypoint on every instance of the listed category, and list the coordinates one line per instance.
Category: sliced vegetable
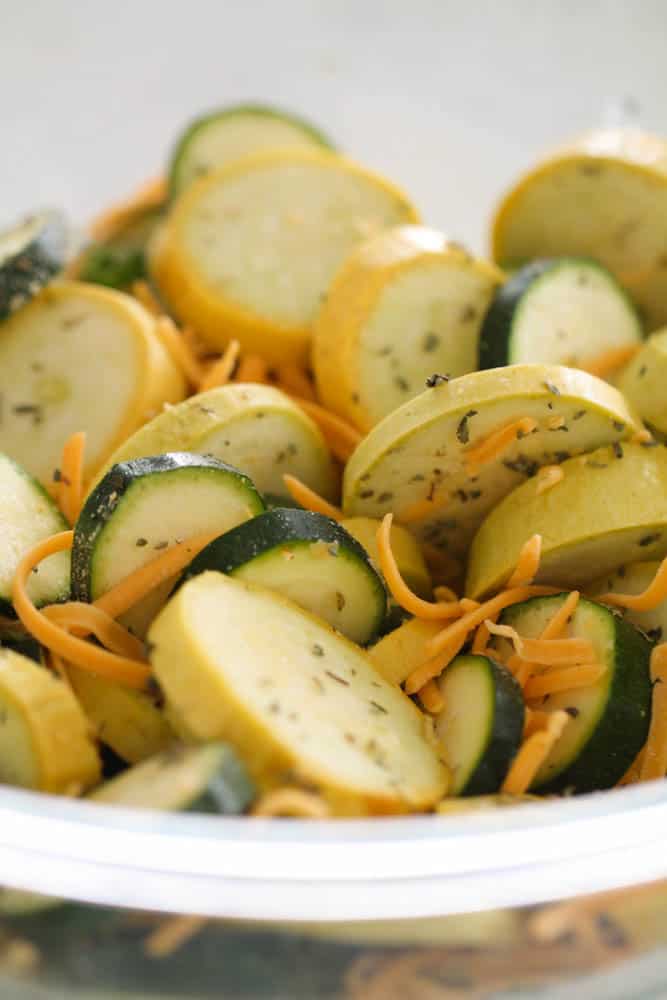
(146, 505)
(562, 311)
(255, 428)
(128, 721)
(481, 726)
(297, 700)
(610, 509)
(621, 179)
(482, 803)
(308, 558)
(27, 515)
(610, 718)
(405, 304)
(400, 652)
(31, 255)
(405, 547)
(59, 357)
(643, 382)
(442, 461)
(45, 740)
(208, 779)
(217, 139)
(249, 251)
(635, 579)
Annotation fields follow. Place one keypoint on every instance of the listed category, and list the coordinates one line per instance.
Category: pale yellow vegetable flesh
(407, 551)
(644, 382)
(403, 649)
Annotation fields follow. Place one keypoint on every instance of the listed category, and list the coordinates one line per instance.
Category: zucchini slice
(562, 311)
(255, 428)
(609, 509)
(27, 516)
(227, 134)
(634, 579)
(406, 549)
(308, 558)
(405, 304)
(399, 652)
(45, 741)
(620, 177)
(60, 355)
(142, 507)
(610, 719)
(128, 721)
(32, 253)
(643, 382)
(481, 726)
(207, 779)
(414, 462)
(296, 700)
(250, 251)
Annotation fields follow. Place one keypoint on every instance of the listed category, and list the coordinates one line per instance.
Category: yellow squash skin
(218, 317)
(620, 176)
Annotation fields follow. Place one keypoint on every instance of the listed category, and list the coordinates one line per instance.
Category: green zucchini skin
(32, 253)
(622, 726)
(496, 347)
(505, 721)
(120, 260)
(104, 499)
(176, 182)
(289, 530)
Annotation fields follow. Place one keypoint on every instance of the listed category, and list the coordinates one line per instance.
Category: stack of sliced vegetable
(307, 511)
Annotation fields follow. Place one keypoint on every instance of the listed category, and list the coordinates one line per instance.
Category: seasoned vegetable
(610, 718)
(442, 461)
(621, 179)
(60, 355)
(481, 726)
(406, 549)
(27, 515)
(308, 558)
(405, 304)
(31, 254)
(397, 654)
(255, 428)
(563, 311)
(218, 138)
(635, 579)
(293, 697)
(45, 741)
(610, 509)
(208, 779)
(142, 507)
(207, 266)
(643, 382)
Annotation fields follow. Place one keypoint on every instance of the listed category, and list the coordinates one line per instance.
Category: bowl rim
(385, 868)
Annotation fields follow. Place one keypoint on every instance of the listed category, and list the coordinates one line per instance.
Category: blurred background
(449, 99)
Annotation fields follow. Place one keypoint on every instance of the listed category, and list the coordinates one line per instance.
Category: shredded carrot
(549, 652)
(431, 698)
(82, 654)
(534, 721)
(433, 666)
(481, 640)
(447, 594)
(496, 443)
(172, 934)
(310, 499)
(149, 195)
(341, 437)
(252, 368)
(293, 379)
(84, 619)
(532, 754)
(528, 563)
(144, 294)
(179, 350)
(486, 611)
(70, 485)
(609, 361)
(654, 762)
(133, 588)
(642, 437)
(57, 664)
(221, 370)
(648, 600)
(632, 774)
(561, 619)
(399, 588)
(548, 476)
(289, 801)
(567, 679)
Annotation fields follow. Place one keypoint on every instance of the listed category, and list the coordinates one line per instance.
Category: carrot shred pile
(289, 801)
(567, 679)
(310, 499)
(70, 483)
(252, 368)
(547, 477)
(547, 652)
(293, 379)
(221, 370)
(399, 588)
(341, 437)
(654, 760)
(528, 563)
(608, 361)
(533, 752)
(85, 619)
(431, 698)
(648, 600)
(179, 350)
(496, 443)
